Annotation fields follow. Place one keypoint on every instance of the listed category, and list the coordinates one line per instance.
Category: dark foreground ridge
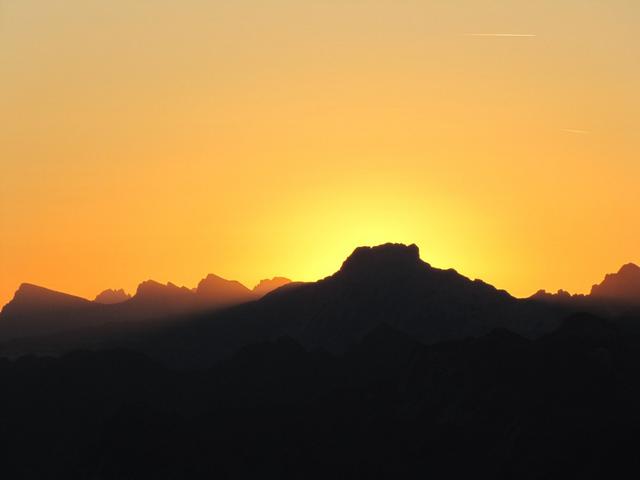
(496, 407)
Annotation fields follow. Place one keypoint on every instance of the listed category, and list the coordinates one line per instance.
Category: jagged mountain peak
(383, 259)
(112, 296)
(269, 284)
(34, 298)
(215, 285)
(152, 287)
(623, 285)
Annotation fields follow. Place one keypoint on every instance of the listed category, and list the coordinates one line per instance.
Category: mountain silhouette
(616, 296)
(111, 296)
(37, 311)
(623, 286)
(387, 284)
(268, 285)
(154, 299)
(217, 291)
(561, 296)
(31, 298)
(388, 368)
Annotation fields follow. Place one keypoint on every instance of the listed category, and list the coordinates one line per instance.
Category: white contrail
(576, 131)
(500, 35)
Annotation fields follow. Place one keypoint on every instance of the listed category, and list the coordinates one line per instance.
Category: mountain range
(388, 284)
(36, 310)
(617, 294)
(389, 368)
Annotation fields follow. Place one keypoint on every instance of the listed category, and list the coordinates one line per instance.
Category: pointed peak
(112, 296)
(629, 268)
(215, 284)
(560, 295)
(30, 290)
(213, 276)
(268, 285)
(26, 287)
(151, 287)
(622, 286)
(31, 298)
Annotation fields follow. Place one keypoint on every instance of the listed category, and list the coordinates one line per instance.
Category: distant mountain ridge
(37, 310)
(623, 286)
(617, 292)
(386, 284)
(269, 284)
(389, 368)
(33, 298)
(111, 296)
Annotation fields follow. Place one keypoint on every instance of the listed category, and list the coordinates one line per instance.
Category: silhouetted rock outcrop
(560, 296)
(617, 295)
(268, 285)
(31, 298)
(217, 291)
(623, 286)
(382, 262)
(110, 296)
(35, 309)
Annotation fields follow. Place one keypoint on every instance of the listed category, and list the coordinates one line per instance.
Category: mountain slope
(37, 311)
(617, 295)
(268, 285)
(217, 291)
(111, 296)
(623, 286)
(388, 284)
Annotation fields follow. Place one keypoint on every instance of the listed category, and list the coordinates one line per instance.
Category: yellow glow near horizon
(166, 140)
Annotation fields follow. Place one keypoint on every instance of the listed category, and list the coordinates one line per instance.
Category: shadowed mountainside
(499, 406)
(37, 311)
(618, 294)
(375, 285)
(623, 286)
(111, 296)
(270, 284)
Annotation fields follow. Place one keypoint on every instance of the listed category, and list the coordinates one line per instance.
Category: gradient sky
(168, 139)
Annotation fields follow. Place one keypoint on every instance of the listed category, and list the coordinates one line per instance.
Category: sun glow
(250, 140)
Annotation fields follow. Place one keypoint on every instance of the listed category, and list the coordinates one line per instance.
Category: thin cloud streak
(500, 35)
(575, 131)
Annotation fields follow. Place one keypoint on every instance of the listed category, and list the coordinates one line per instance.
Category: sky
(168, 139)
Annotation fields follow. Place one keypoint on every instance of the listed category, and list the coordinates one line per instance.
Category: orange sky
(164, 139)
